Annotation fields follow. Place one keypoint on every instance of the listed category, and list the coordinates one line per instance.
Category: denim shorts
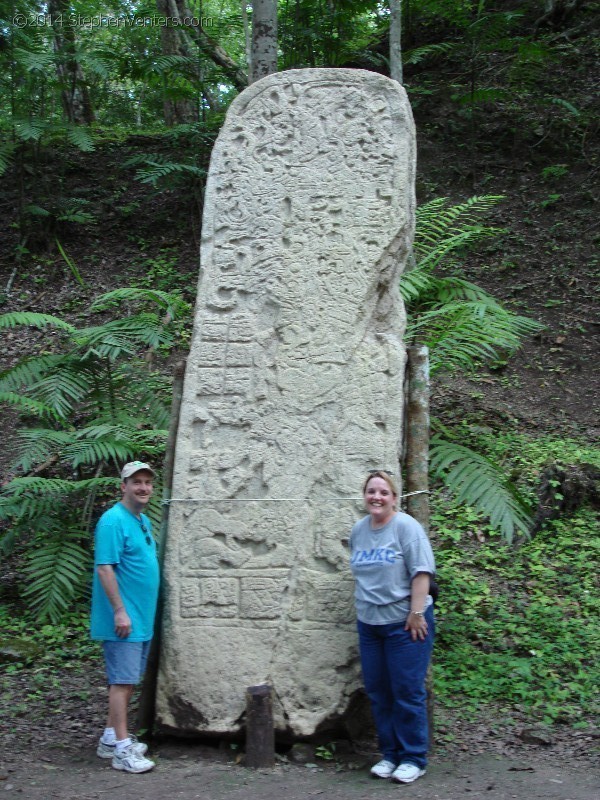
(125, 661)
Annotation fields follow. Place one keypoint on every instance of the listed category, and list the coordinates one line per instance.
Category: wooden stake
(260, 733)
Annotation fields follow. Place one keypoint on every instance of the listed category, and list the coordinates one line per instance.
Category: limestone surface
(293, 390)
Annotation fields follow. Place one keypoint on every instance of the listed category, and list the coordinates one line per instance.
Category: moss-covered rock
(15, 650)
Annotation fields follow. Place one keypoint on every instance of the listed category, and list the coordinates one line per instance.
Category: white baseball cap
(135, 466)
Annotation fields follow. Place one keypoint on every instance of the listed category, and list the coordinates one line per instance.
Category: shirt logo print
(375, 555)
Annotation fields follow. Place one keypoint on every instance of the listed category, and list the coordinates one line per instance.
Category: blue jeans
(394, 669)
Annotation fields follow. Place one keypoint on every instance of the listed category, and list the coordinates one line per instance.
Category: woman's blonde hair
(386, 476)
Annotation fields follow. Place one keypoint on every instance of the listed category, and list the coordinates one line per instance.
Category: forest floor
(545, 266)
(47, 750)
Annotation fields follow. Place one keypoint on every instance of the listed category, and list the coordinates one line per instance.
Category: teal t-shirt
(120, 541)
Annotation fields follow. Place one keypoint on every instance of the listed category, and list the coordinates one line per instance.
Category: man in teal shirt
(124, 597)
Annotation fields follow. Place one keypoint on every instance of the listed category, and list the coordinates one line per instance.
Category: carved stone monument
(293, 390)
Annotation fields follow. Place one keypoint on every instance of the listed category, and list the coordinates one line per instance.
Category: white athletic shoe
(383, 769)
(108, 750)
(129, 760)
(407, 773)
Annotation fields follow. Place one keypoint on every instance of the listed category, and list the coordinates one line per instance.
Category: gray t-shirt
(384, 561)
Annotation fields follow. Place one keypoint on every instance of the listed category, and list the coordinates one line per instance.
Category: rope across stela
(267, 499)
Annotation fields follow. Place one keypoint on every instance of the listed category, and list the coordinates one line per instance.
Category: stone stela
(293, 390)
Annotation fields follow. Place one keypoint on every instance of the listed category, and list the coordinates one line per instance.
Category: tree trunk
(558, 13)
(247, 36)
(417, 465)
(178, 10)
(417, 434)
(264, 39)
(176, 41)
(75, 96)
(396, 40)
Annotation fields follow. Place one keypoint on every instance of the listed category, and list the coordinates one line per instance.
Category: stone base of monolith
(293, 391)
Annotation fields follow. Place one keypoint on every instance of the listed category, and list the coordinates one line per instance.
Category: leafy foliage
(481, 483)
(507, 634)
(54, 573)
(461, 323)
(96, 405)
(463, 326)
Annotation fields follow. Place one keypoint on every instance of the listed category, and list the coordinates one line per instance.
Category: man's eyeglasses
(146, 533)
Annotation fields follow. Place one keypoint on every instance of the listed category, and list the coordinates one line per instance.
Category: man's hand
(122, 623)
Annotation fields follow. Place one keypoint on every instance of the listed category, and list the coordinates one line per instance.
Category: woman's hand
(417, 625)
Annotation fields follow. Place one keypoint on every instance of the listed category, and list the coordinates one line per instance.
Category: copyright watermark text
(103, 21)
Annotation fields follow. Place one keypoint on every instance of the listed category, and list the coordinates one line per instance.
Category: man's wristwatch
(418, 613)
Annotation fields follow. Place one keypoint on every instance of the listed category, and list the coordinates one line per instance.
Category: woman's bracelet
(120, 608)
(418, 613)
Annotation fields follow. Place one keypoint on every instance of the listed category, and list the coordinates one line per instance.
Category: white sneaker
(383, 769)
(108, 750)
(129, 760)
(407, 773)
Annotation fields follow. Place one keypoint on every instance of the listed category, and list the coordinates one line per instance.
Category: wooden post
(417, 464)
(147, 702)
(260, 733)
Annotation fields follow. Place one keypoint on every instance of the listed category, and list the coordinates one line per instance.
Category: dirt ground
(192, 772)
(48, 736)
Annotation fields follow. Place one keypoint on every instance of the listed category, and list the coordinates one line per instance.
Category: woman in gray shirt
(392, 563)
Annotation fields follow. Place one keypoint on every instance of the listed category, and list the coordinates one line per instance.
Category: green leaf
(480, 483)
(70, 263)
(26, 404)
(55, 573)
(81, 138)
(171, 303)
(34, 320)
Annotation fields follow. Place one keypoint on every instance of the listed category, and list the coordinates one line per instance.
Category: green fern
(429, 51)
(55, 575)
(477, 481)
(463, 327)
(33, 61)
(28, 371)
(172, 304)
(559, 101)
(464, 333)
(62, 389)
(33, 320)
(156, 172)
(124, 337)
(80, 137)
(156, 168)
(39, 444)
(30, 130)
(460, 322)
(165, 64)
(104, 407)
(27, 404)
(7, 150)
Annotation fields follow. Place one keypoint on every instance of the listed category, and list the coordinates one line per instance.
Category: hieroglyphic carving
(293, 389)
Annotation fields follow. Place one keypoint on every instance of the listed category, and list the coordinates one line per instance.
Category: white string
(267, 499)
